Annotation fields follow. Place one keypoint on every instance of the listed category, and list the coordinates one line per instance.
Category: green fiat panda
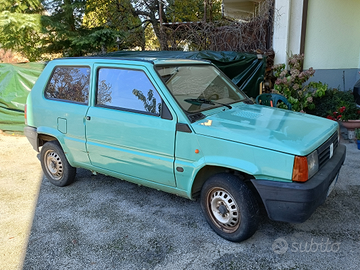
(182, 126)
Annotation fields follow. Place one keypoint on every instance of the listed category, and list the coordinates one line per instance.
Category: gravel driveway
(100, 222)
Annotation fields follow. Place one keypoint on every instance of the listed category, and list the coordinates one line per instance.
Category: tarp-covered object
(246, 70)
(16, 81)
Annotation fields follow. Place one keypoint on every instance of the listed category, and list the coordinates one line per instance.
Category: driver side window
(126, 89)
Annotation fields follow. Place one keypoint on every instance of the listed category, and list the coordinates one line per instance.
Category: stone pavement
(20, 180)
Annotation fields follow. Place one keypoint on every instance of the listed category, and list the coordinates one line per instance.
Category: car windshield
(199, 87)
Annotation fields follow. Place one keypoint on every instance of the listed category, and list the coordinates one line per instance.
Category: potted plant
(346, 110)
(348, 114)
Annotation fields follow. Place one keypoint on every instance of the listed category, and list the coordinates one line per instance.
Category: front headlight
(313, 163)
(305, 167)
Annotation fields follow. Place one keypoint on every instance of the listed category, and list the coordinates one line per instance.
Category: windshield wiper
(199, 101)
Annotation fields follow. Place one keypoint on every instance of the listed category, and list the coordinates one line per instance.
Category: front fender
(237, 164)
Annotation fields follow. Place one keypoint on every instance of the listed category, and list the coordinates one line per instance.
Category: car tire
(230, 207)
(55, 165)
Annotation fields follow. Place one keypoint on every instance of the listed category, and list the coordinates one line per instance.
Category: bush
(336, 105)
(291, 83)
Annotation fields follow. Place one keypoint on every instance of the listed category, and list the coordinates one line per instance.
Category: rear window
(69, 84)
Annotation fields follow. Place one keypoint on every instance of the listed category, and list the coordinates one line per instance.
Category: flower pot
(351, 124)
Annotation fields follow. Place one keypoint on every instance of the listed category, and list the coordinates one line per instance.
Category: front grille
(324, 149)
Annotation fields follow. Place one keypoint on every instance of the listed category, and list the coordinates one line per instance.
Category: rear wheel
(229, 206)
(55, 165)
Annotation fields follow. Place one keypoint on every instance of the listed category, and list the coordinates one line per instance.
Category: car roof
(155, 61)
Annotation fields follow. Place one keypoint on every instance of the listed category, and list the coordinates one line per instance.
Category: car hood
(276, 129)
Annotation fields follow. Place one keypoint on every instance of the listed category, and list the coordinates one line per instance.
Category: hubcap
(53, 164)
(223, 209)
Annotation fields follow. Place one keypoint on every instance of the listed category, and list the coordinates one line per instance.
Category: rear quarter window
(69, 83)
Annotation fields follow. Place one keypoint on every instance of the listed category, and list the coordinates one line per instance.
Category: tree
(95, 40)
(21, 6)
(155, 12)
(62, 24)
(116, 15)
(151, 41)
(150, 12)
(79, 27)
(194, 10)
(20, 27)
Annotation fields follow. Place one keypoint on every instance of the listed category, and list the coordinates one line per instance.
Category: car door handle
(88, 118)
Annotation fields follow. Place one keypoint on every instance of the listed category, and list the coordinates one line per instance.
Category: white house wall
(287, 29)
(281, 30)
(332, 41)
(332, 44)
(296, 12)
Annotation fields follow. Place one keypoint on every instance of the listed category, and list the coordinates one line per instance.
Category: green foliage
(21, 6)
(96, 40)
(173, 11)
(21, 32)
(325, 103)
(314, 97)
(336, 105)
(340, 105)
(62, 24)
(20, 27)
(80, 27)
(345, 113)
(291, 83)
(357, 134)
(151, 42)
(117, 16)
(192, 10)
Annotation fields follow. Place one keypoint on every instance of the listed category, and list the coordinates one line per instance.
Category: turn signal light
(300, 171)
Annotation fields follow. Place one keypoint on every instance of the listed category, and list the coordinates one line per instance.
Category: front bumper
(295, 202)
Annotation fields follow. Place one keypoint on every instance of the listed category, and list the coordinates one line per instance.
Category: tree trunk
(160, 34)
(205, 10)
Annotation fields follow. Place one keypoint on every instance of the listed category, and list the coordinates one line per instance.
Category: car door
(124, 129)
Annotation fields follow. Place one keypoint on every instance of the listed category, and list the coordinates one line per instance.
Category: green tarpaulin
(16, 81)
(246, 70)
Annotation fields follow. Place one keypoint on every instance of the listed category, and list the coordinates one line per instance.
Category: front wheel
(229, 207)
(55, 165)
